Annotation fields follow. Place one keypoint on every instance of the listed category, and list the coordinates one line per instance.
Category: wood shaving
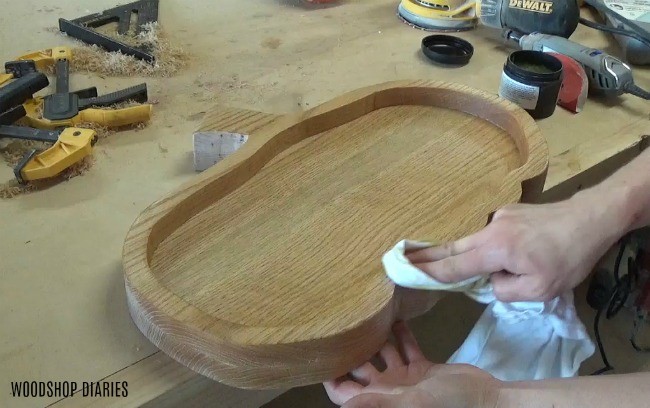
(17, 149)
(91, 58)
(13, 152)
(169, 59)
(13, 189)
(102, 131)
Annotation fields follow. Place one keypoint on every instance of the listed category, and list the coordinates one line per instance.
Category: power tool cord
(638, 320)
(614, 304)
(602, 8)
(634, 89)
(614, 30)
(601, 348)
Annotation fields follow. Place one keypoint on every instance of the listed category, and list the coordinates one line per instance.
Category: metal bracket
(18, 170)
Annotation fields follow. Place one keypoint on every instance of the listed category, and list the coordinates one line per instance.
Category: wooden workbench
(62, 305)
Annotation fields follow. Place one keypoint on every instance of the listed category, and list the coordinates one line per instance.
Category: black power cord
(637, 91)
(619, 295)
(612, 30)
(615, 302)
(640, 317)
(637, 32)
(601, 348)
(638, 320)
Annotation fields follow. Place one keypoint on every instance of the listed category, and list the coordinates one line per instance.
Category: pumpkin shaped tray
(265, 270)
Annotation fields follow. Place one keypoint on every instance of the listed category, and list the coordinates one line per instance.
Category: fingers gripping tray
(265, 270)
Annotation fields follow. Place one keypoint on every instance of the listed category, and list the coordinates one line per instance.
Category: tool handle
(116, 117)
(12, 115)
(136, 93)
(62, 76)
(20, 68)
(86, 93)
(21, 89)
(26, 133)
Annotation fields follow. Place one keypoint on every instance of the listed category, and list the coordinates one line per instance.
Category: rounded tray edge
(139, 236)
(269, 366)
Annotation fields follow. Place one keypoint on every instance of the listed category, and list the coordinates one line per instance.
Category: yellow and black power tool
(554, 17)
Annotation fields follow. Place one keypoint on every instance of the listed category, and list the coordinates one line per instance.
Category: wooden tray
(265, 271)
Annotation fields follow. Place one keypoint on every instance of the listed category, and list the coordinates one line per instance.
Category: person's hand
(410, 380)
(532, 252)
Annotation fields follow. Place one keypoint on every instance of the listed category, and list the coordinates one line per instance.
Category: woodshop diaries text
(65, 389)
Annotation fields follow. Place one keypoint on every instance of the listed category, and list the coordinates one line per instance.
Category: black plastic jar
(532, 79)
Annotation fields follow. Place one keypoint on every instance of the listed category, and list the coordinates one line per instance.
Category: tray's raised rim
(168, 321)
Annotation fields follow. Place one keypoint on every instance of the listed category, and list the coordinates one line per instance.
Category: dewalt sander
(554, 17)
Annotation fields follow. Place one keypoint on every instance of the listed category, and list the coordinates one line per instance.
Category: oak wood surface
(260, 271)
(79, 325)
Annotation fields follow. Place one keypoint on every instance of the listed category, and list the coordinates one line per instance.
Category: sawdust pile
(91, 58)
(102, 131)
(15, 150)
(169, 58)
(12, 188)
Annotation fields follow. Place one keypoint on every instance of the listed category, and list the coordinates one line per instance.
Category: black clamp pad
(18, 170)
(20, 68)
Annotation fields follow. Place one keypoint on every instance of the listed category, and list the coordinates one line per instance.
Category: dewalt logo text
(545, 7)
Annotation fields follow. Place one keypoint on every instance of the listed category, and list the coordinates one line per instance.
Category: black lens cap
(447, 49)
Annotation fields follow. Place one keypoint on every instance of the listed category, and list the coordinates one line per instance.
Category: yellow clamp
(73, 145)
(102, 117)
(46, 58)
(42, 59)
(5, 78)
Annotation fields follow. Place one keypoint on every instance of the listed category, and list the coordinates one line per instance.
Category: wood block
(265, 271)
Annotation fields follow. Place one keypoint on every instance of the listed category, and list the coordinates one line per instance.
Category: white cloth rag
(512, 341)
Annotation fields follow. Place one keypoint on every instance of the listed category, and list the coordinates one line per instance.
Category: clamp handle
(137, 93)
(20, 68)
(21, 89)
(116, 117)
(12, 115)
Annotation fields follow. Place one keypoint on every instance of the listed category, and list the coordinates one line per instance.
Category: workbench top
(63, 308)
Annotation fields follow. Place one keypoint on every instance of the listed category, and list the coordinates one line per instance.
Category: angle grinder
(554, 17)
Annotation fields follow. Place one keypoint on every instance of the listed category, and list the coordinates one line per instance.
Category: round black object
(447, 49)
(532, 79)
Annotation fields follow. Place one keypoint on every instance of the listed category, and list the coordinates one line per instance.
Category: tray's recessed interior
(328, 209)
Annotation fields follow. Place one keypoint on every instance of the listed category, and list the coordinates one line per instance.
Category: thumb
(509, 287)
(461, 267)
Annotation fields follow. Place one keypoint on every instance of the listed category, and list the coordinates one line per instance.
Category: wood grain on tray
(265, 271)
